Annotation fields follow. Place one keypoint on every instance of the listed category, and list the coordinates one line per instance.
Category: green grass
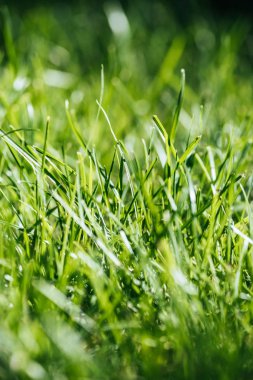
(126, 239)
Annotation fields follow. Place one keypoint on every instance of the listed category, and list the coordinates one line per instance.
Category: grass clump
(125, 243)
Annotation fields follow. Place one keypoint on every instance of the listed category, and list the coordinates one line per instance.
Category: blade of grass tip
(102, 86)
(165, 138)
(110, 172)
(201, 113)
(169, 149)
(80, 172)
(227, 164)
(164, 135)
(101, 182)
(108, 122)
(161, 128)
(189, 149)
(168, 65)
(99, 175)
(149, 169)
(120, 147)
(145, 152)
(178, 108)
(78, 135)
(45, 145)
(97, 227)
(74, 128)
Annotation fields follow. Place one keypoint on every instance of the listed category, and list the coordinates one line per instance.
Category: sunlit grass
(126, 219)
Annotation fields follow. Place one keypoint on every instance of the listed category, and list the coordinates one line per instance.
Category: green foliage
(126, 245)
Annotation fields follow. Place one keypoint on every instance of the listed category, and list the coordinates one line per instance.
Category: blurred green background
(59, 47)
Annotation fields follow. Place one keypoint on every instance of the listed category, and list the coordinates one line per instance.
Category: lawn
(126, 220)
